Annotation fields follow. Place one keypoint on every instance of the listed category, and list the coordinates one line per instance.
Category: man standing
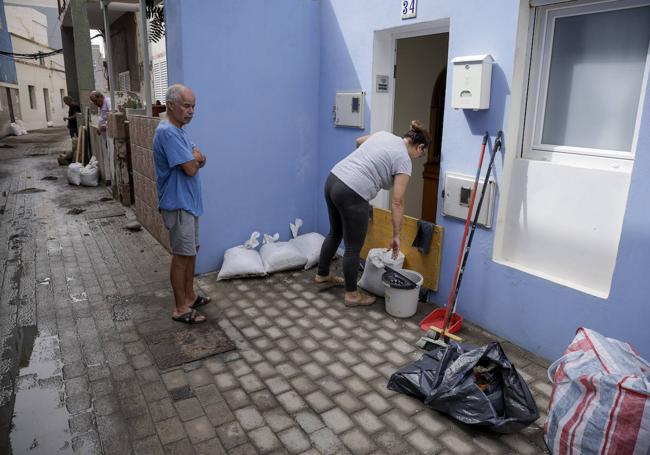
(104, 105)
(73, 109)
(177, 163)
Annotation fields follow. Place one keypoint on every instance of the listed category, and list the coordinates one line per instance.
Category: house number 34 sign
(409, 9)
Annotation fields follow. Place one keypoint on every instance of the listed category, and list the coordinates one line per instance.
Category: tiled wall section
(141, 131)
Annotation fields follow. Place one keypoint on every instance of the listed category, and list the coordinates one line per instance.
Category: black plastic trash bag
(478, 386)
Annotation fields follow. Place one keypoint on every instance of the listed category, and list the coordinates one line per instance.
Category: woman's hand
(394, 245)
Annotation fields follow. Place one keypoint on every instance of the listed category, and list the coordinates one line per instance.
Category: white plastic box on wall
(472, 76)
(348, 109)
(457, 193)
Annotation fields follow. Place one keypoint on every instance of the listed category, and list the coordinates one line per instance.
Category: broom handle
(450, 309)
(467, 220)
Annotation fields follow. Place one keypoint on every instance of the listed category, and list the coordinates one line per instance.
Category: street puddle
(39, 421)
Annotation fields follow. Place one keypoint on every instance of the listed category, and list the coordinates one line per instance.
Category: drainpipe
(145, 57)
(109, 54)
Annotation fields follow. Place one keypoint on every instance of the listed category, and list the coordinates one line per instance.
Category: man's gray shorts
(183, 231)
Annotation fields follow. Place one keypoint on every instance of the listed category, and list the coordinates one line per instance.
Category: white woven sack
(240, 262)
(74, 173)
(89, 176)
(376, 260)
(280, 256)
(309, 246)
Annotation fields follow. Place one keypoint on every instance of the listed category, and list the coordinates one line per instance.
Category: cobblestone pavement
(308, 376)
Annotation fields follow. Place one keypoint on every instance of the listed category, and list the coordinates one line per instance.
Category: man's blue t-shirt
(176, 190)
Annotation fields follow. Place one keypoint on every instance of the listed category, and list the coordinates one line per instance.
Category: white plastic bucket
(403, 303)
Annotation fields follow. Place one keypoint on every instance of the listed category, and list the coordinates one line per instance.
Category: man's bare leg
(178, 276)
(189, 280)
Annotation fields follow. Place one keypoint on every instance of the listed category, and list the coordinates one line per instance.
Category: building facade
(42, 82)
(567, 242)
(9, 99)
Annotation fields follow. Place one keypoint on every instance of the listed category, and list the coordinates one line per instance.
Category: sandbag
(600, 401)
(74, 173)
(477, 386)
(309, 246)
(280, 256)
(376, 260)
(89, 175)
(242, 261)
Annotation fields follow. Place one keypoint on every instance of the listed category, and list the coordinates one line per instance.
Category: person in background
(73, 109)
(177, 163)
(104, 105)
(381, 161)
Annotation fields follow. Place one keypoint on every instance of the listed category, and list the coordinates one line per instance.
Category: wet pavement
(82, 298)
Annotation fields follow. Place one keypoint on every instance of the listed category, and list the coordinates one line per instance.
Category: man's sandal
(191, 317)
(200, 301)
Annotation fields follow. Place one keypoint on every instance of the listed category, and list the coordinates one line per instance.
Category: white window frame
(544, 24)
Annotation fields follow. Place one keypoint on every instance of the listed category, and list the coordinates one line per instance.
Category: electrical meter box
(348, 109)
(457, 194)
(471, 80)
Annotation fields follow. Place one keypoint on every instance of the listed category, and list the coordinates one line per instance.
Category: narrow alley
(83, 300)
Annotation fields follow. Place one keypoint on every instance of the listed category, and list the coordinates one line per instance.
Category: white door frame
(384, 57)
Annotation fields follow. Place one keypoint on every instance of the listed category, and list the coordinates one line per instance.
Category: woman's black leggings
(348, 214)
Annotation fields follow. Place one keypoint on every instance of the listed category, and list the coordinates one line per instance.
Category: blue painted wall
(537, 314)
(7, 65)
(266, 78)
(254, 67)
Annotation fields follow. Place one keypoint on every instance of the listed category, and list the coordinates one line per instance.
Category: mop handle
(449, 311)
(467, 221)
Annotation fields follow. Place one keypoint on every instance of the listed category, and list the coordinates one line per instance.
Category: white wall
(419, 62)
(50, 75)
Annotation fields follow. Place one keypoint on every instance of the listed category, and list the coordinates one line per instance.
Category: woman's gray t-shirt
(374, 165)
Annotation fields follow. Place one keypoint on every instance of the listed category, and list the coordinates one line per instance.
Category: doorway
(420, 82)
(12, 115)
(46, 96)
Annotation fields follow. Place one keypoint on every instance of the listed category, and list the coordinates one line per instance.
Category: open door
(431, 174)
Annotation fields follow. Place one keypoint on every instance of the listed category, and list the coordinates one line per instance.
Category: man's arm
(192, 166)
(397, 204)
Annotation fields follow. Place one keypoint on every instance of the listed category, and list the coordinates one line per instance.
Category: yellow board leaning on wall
(380, 233)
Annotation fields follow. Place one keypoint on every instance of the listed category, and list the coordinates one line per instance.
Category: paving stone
(73, 370)
(348, 402)
(392, 443)
(215, 365)
(244, 449)
(294, 440)
(319, 401)
(140, 427)
(231, 435)
(432, 422)
(236, 399)
(356, 386)
(519, 444)
(182, 447)
(148, 446)
(251, 383)
(175, 379)
(105, 405)
(277, 385)
(208, 394)
(181, 393)
(303, 385)
(162, 410)
(264, 440)
(249, 418)
(277, 419)
(326, 442)
(309, 421)
(112, 430)
(264, 400)
(368, 421)
(291, 401)
(87, 444)
(101, 387)
(199, 430)
(264, 370)
(154, 391)
(398, 421)
(225, 381)
(199, 377)
(490, 445)
(78, 402)
(170, 430)
(330, 385)
(81, 423)
(147, 374)
(188, 409)
(219, 414)
(133, 406)
(287, 370)
(358, 442)
(457, 444)
(211, 447)
(76, 385)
